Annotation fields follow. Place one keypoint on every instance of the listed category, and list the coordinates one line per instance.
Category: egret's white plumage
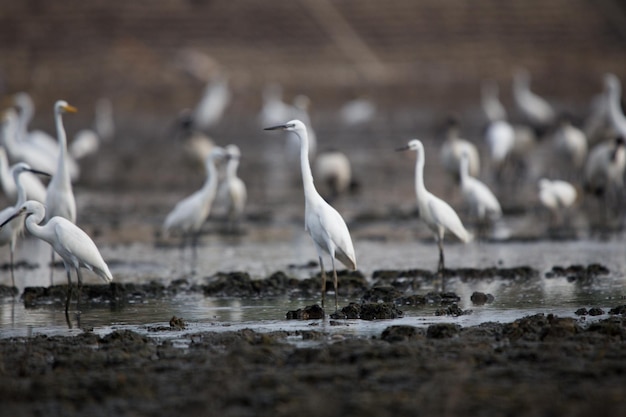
(325, 225)
(13, 228)
(436, 213)
(571, 143)
(482, 202)
(357, 111)
(490, 101)
(604, 169)
(38, 142)
(196, 144)
(72, 244)
(535, 108)
(452, 149)
(333, 169)
(104, 122)
(500, 138)
(60, 201)
(86, 142)
(211, 107)
(556, 194)
(616, 116)
(274, 110)
(35, 190)
(233, 189)
(189, 214)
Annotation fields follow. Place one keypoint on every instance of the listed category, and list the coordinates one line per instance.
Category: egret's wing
(447, 217)
(338, 232)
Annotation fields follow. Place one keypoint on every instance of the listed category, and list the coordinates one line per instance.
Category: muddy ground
(538, 365)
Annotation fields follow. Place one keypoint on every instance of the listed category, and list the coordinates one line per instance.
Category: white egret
(35, 190)
(196, 144)
(86, 142)
(72, 244)
(357, 111)
(482, 202)
(37, 143)
(570, 144)
(189, 214)
(452, 149)
(536, 109)
(233, 189)
(104, 122)
(436, 213)
(333, 169)
(10, 232)
(604, 169)
(614, 96)
(556, 195)
(274, 110)
(59, 195)
(500, 138)
(325, 225)
(490, 101)
(211, 107)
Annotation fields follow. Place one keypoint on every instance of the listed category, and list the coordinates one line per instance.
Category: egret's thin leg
(51, 268)
(12, 268)
(441, 265)
(69, 290)
(80, 287)
(323, 281)
(194, 253)
(335, 283)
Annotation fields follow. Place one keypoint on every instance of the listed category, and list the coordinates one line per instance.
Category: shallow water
(144, 262)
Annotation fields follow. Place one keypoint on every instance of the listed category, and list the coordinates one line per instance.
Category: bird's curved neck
(210, 185)
(25, 115)
(464, 170)
(615, 111)
(307, 175)
(419, 173)
(231, 168)
(62, 139)
(32, 224)
(21, 191)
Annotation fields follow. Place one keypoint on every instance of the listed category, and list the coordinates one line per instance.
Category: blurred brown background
(419, 60)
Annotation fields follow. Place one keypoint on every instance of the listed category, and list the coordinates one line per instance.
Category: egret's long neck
(21, 191)
(22, 123)
(32, 224)
(231, 168)
(210, 185)
(419, 173)
(307, 176)
(464, 169)
(617, 117)
(62, 139)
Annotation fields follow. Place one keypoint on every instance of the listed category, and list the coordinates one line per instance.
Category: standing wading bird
(10, 232)
(35, 190)
(452, 149)
(60, 196)
(233, 189)
(436, 213)
(482, 202)
(325, 225)
(189, 214)
(557, 196)
(72, 244)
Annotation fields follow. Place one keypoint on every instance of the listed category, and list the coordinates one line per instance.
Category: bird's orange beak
(70, 109)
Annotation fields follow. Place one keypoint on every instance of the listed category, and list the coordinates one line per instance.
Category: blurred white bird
(233, 190)
(332, 168)
(274, 110)
(196, 144)
(13, 228)
(35, 190)
(482, 202)
(59, 194)
(87, 142)
(604, 169)
(616, 116)
(436, 213)
(38, 142)
(570, 145)
(104, 122)
(325, 225)
(535, 109)
(490, 101)
(452, 149)
(557, 196)
(211, 107)
(357, 111)
(72, 244)
(189, 214)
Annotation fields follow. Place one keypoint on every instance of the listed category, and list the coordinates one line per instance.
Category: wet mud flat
(537, 365)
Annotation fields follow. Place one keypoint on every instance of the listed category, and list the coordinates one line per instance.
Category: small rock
(313, 312)
(442, 330)
(177, 323)
(400, 333)
(480, 298)
(581, 312)
(595, 311)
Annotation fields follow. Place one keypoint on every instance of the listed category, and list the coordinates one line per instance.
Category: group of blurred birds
(588, 160)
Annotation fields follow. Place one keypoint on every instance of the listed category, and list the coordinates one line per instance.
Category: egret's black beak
(34, 171)
(279, 127)
(403, 148)
(16, 214)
